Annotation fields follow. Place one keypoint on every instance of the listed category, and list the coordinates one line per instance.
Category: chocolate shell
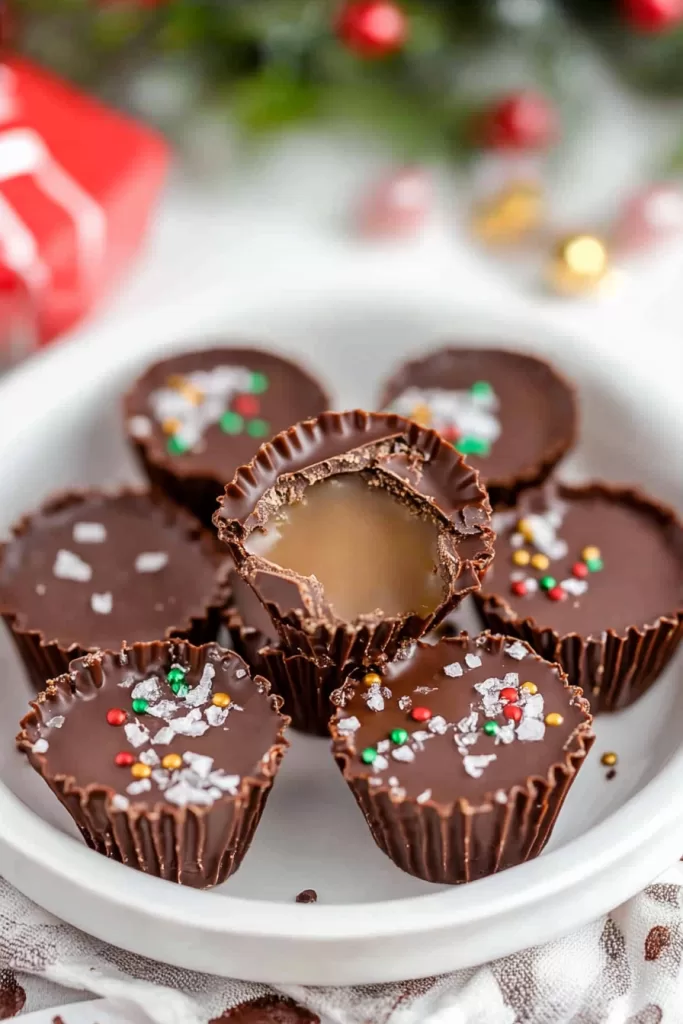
(90, 569)
(620, 620)
(453, 787)
(513, 414)
(105, 759)
(417, 466)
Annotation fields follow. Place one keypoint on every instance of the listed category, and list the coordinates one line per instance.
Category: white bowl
(59, 425)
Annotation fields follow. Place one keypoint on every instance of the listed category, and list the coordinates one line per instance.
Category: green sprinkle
(180, 689)
(369, 755)
(473, 446)
(140, 705)
(481, 388)
(259, 383)
(176, 674)
(398, 736)
(548, 582)
(231, 423)
(176, 446)
(491, 728)
(258, 428)
(595, 564)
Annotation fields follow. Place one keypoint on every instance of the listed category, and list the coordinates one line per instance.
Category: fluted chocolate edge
(45, 658)
(615, 669)
(161, 839)
(454, 843)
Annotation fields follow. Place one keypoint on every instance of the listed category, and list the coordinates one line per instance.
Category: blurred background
(531, 148)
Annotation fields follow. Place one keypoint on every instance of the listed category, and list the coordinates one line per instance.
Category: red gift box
(77, 185)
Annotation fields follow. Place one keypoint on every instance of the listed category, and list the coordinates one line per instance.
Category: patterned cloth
(626, 968)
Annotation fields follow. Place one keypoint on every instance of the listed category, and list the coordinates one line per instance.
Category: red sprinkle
(513, 712)
(518, 587)
(450, 434)
(116, 716)
(246, 405)
(580, 570)
(509, 693)
(557, 594)
(421, 714)
(124, 759)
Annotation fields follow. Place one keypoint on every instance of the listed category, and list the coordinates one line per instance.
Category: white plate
(59, 426)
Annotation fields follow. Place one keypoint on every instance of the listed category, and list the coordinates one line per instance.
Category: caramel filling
(370, 552)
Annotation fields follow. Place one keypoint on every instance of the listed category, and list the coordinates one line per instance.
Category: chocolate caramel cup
(179, 801)
(513, 415)
(91, 567)
(461, 755)
(612, 621)
(195, 417)
(419, 470)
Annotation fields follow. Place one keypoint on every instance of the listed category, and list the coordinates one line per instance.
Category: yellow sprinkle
(554, 718)
(422, 414)
(140, 770)
(192, 394)
(590, 552)
(221, 700)
(176, 381)
(540, 561)
(372, 678)
(609, 759)
(529, 688)
(521, 557)
(171, 426)
(524, 527)
(171, 762)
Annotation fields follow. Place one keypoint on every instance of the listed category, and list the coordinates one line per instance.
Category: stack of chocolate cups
(435, 540)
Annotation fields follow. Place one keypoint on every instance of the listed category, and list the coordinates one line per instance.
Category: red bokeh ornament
(653, 15)
(521, 120)
(373, 28)
(397, 204)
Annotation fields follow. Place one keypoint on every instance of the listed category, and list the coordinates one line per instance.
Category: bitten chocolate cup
(461, 755)
(164, 755)
(89, 568)
(358, 532)
(512, 415)
(591, 576)
(195, 417)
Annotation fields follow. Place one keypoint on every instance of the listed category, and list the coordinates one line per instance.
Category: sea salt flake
(164, 709)
(533, 706)
(199, 763)
(140, 426)
(419, 738)
(136, 734)
(147, 689)
(151, 561)
(57, 722)
(383, 746)
(398, 793)
(119, 802)
(500, 796)
(40, 746)
(424, 796)
(405, 703)
(182, 793)
(226, 783)
(453, 670)
(468, 724)
(516, 540)
(161, 777)
(150, 758)
(102, 604)
(386, 692)
(189, 725)
(438, 725)
(403, 754)
(347, 725)
(516, 650)
(468, 738)
(506, 734)
(472, 660)
(531, 584)
(240, 673)
(139, 786)
(374, 782)
(89, 533)
(200, 694)
(511, 679)
(380, 763)
(474, 764)
(127, 682)
(425, 689)
(393, 781)
(164, 737)
(69, 566)
(216, 716)
(374, 698)
(531, 729)
(574, 587)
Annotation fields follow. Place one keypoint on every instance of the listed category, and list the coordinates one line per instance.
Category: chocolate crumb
(307, 896)
(611, 774)
(268, 1010)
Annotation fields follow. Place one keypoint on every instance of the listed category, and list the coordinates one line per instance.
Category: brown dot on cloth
(658, 938)
(307, 896)
(12, 995)
(268, 1010)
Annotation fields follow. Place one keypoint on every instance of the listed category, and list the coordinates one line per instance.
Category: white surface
(372, 923)
(94, 1011)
